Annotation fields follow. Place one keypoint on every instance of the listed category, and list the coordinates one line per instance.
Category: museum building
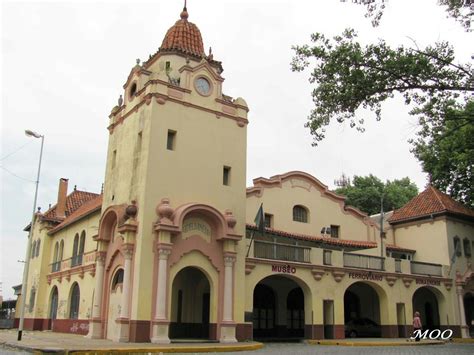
(170, 250)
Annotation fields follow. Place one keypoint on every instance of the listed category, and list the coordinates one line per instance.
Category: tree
(447, 153)
(349, 76)
(460, 10)
(365, 193)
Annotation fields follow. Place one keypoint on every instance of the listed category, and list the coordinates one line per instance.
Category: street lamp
(28, 243)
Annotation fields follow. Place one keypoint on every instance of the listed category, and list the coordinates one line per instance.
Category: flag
(260, 219)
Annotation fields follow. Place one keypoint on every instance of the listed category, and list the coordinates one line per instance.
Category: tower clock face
(203, 86)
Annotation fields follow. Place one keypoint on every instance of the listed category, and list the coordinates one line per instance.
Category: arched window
(82, 243)
(33, 249)
(74, 302)
(118, 279)
(467, 247)
(457, 246)
(31, 306)
(38, 243)
(56, 251)
(76, 245)
(61, 250)
(300, 214)
(53, 310)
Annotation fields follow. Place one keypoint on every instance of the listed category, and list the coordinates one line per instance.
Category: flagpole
(250, 245)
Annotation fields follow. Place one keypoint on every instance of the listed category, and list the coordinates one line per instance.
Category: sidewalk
(63, 343)
(375, 342)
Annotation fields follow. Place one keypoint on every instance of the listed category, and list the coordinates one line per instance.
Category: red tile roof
(86, 209)
(320, 239)
(430, 202)
(184, 37)
(397, 248)
(73, 201)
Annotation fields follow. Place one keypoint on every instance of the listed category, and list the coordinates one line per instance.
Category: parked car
(362, 327)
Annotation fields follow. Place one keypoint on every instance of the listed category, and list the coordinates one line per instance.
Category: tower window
(334, 231)
(133, 90)
(171, 141)
(114, 158)
(226, 176)
(167, 66)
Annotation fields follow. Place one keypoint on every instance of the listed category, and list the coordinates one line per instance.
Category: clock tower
(174, 200)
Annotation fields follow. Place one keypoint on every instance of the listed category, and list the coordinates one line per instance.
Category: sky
(64, 64)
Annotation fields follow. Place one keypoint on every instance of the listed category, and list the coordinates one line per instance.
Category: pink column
(228, 324)
(124, 320)
(161, 323)
(95, 327)
(462, 314)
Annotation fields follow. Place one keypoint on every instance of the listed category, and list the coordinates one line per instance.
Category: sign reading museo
(286, 269)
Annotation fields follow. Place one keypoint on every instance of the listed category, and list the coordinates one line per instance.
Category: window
(268, 220)
(457, 246)
(300, 214)
(74, 304)
(168, 66)
(170, 143)
(327, 257)
(31, 306)
(38, 243)
(82, 243)
(61, 250)
(114, 158)
(226, 176)
(133, 90)
(467, 247)
(32, 251)
(118, 279)
(334, 231)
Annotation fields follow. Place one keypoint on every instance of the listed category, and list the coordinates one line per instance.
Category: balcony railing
(76, 260)
(277, 251)
(426, 269)
(363, 261)
(398, 265)
(56, 266)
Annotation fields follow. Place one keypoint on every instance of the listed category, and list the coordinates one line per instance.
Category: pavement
(63, 343)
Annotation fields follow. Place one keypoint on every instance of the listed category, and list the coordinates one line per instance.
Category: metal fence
(277, 251)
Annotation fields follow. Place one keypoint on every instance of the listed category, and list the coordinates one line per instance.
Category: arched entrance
(469, 311)
(114, 304)
(53, 306)
(362, 311)
(278, 309)
(425, 301)
(190, 305)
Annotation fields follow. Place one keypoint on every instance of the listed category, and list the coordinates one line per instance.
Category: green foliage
(446, 152)
(460, 10)
(349, 76)
(365, 193)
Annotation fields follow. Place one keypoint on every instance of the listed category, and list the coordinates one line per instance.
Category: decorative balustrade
(277, 251)
(363, 261)
(420, 268)
(56, 266)
(76, 260)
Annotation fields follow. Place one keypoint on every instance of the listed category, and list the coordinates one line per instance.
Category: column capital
(127, 250)
(163, 254)
(229, 259)
(100, 257)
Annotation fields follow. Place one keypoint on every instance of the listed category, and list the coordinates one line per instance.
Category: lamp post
(28, 243)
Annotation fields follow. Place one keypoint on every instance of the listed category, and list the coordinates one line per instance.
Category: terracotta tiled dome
(184, 37)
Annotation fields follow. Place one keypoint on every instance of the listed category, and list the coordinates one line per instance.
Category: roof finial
(184, 14)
